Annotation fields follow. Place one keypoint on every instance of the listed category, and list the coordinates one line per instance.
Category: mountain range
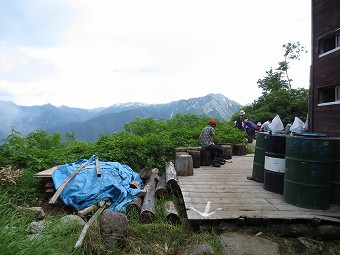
(89, 124)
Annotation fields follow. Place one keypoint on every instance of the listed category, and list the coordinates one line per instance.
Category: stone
(239, 244)
(203, 248)
(113, 227)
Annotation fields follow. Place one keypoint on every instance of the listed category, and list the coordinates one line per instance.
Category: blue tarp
(86, 189)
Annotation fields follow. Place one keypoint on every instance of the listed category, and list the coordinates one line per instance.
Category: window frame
(335, 35)
(322, 93)
(337, 93)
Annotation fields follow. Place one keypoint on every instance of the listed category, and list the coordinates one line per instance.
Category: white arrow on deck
(206, 211)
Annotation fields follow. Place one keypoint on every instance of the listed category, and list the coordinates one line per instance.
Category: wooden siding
(325, 70)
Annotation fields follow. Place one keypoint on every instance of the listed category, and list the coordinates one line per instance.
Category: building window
(329, 95)
(329, 43)
(337, 93)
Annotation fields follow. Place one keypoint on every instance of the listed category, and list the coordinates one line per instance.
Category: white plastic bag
(276, 126)
(297, 126)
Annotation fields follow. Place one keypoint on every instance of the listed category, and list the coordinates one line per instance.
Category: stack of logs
(202, 157)
(156, 187)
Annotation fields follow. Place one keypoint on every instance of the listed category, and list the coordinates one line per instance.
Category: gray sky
(87, 54)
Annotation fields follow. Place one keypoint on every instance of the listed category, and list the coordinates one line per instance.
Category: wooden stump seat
(196, 157)
(205, 157)
(227, 151)
(184, 165)
(240, 149)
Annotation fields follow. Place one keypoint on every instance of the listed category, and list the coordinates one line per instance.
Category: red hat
(213, 122)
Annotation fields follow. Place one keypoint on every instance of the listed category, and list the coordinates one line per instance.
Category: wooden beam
(102, 205)
(99, 173)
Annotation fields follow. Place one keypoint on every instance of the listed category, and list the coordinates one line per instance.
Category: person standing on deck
(207, 137)
(239, 120)
(251, 127)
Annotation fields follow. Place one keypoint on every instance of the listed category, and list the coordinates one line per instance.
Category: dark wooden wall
(325, 70)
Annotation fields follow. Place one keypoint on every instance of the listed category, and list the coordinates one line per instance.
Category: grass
(159, 237)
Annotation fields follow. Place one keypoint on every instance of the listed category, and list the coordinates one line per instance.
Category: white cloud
(161, 51)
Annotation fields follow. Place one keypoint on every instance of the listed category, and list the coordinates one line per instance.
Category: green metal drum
(335, 180)
(308, 171)
(260, 148)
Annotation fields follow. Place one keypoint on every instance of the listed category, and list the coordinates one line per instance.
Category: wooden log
(232, 147)
(171, 178)
(184, 165)
(227, 151)
(135, 185)
(194, 148)
(179, 149)
(135, 205)
(161, 190)
(87, 210)
(240, 149)
(196, 158)
(147, 214)
(171, 213)
(205, 157)
(181, 153)
(62, 186)
(151, 182)
(49, 185)
(145, 173)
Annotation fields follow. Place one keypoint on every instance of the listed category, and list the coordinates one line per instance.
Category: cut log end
(147, 217)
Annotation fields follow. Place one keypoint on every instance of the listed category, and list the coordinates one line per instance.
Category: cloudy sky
(88, 54)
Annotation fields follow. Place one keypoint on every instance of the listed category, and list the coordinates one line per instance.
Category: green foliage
(279, 79)
(285, 103)
(278, 98)
(273, 81)
(14, 237)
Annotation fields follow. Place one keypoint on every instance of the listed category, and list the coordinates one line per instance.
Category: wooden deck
(213, 195)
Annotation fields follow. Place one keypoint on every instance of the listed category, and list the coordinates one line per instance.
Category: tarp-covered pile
(86, 188)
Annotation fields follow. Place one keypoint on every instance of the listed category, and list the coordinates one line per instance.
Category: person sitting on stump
(207, 137)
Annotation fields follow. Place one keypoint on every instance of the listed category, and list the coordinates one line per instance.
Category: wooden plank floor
(222, 194)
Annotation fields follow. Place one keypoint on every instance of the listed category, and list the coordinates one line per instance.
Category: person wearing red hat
(207, 137)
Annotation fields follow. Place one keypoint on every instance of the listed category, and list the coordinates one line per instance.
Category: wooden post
(145, 173)
(179, 149)
(196, 157)
(147, 214)
(227, 151)
(205, 157)
(136, 204)
(184, 165)
(99, 173)
(171, 213)
(151, 182)
(171, 178)
(161, 187)
(181, 153)
(135, 185)
(240, 149)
